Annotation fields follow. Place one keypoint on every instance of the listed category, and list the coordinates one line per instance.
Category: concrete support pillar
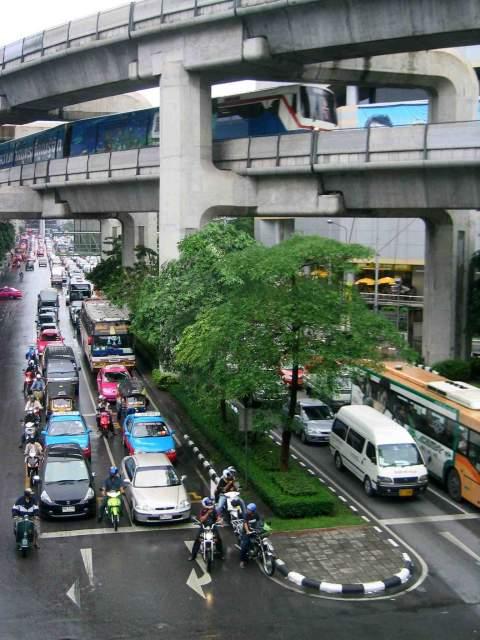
(448, 247)
(190, 185)
(272, 232)
(128, 239)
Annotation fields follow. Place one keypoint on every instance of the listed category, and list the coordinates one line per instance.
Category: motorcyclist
(113, 482)
(20, 276)
(26, 504)
(33, 405)
(103, 406)
(38, 387)
(31, 354)
(31, 367)
(35, 447)
(251, 523)
(209, 516)
(225, 484)
(29, 434)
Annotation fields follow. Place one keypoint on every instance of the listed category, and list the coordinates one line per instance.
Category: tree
(275, 312)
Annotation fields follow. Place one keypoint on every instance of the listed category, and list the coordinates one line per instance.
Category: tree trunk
(287, 431)
(223, 410)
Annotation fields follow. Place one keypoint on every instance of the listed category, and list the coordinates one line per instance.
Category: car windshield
(399, 455)
(135, 401)
(150, 429)
(151, 477)
(50, 337)
(65, 471)
(66, 428)
(60, 366)
(318, 412)
(114, 376)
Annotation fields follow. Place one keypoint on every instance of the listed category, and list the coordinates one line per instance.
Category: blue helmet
(113, 470)
(251, 506)
(207, 502)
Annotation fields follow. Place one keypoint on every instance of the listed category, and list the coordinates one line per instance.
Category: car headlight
(385, 479)
(90, 494)
(143, 507)
(184, 504)
(423, 478)
(44, 497)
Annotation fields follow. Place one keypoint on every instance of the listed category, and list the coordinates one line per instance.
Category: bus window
(474, 449)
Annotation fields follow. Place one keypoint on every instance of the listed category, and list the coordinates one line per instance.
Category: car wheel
(303, 437)
(367, 487)
(454, 486)
(338, 461)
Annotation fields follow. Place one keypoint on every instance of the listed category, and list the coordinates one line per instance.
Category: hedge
(454, 369)
(292, 494)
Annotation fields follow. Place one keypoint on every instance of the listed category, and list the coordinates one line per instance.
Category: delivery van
(380, 452)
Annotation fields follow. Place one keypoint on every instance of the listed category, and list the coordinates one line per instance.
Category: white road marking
(302, 464)
(311, 472)
(458, 543)
(392, 542)
(193, 581)
(294, 456)
(377, 529)
(74, 593)
(353, 508)
(342, 498)
(366, 519)
(421, 519)
(453, 504)
(48, 535)
(332, 489)
(88, 563)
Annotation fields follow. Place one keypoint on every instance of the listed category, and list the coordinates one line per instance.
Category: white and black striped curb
(360, 588)
(205, 463)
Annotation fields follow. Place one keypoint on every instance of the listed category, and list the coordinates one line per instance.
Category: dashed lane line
(423, 519)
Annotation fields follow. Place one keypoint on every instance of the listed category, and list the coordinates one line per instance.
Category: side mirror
(183, 478)
(127, 481)
(94, 473)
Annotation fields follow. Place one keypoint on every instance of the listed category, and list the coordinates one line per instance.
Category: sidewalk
(355, 561)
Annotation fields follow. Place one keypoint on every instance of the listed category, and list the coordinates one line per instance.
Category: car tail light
(87, 451)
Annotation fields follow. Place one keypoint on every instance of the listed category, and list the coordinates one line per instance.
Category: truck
(56, 276)
(105, 334)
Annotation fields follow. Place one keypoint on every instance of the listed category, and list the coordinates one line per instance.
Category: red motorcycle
(27, 382)
(105, 422)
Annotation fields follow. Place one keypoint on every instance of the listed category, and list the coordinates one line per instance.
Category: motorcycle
(27, 382)
(29, 434)
(105, 422)
(24, 534)
(207, 543)
(261, 549)
(32, 463)
(114, 507)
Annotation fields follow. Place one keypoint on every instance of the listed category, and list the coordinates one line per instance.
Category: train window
(84, 135)
(318, 104)
(123, 131)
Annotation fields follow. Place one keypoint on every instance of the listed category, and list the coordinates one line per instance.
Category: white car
(154, 491)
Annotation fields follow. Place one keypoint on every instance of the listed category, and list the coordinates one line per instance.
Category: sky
(27, 17)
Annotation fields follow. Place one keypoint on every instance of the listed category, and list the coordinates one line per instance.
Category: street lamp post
(342, 226)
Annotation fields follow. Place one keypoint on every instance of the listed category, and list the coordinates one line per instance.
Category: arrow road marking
(195, 582)
(88, 563)
(74, 593)
(458, 543)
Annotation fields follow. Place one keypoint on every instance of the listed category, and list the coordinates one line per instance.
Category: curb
(361, 588)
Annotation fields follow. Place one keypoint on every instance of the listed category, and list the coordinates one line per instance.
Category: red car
(108, 379)
(287, 373)
(10, 293)
(48, 336)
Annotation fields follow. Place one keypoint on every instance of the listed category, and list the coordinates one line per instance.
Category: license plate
(404, 493)
(165, 516)
(68, 509)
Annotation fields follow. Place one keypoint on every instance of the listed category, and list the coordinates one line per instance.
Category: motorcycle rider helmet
(227, 474)
(38, 376)
(113, 470)
(252, 507)
(28, 493)
(31, 363)
(233, 471)
(207, 503)
(101, 397)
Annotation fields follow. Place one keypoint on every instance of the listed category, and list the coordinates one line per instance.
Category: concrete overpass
(126, 48)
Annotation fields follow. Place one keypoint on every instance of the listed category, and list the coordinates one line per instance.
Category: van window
(339, 428)
(355, 440)
(371, 453)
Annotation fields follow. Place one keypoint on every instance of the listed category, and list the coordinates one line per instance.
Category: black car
(65, 484)
(59, 365)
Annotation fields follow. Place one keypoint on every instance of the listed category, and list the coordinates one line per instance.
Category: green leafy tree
(7, 237)
(285, 305)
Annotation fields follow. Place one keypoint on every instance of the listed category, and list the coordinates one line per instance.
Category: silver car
(313, 420)
(153, 489)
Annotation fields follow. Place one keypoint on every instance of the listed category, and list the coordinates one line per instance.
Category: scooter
(114, 507)
(105, 422)
(24, 534)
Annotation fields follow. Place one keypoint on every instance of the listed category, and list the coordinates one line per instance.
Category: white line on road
(103, 531)
(422, 519)
(88, 563)
(458, 543)
(353, 508)
(74, 593)
(377, 529)
(392, 542)
(365, 518)
(311, 472)
(342, 498)
(455, 505)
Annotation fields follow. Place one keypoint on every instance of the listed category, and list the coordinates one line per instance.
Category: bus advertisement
(443, 416)
(105, 334)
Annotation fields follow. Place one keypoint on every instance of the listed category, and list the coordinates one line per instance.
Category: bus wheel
(454, 486)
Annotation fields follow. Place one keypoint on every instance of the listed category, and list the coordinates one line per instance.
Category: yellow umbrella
(386, 280)
(319, 273)
(367, 281)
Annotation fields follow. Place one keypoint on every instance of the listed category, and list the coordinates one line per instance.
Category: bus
(442, 415)
(77, 289)
(105, 334)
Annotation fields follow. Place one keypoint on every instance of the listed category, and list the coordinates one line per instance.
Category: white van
(380, 452)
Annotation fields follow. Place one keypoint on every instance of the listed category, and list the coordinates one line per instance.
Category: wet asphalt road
(134, 583)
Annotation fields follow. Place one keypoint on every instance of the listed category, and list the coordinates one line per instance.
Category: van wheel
(338, 461)
(454, 486)
(367, 486)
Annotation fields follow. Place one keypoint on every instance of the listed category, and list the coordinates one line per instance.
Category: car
(47, 337)
(45, 320)
(67, 428)
(10, 293)
(65, 483)
(153, 489)
(74, 311)
(312, 421)
(42, 262)
(148, 432)
(286, 374)
(108, 379)
(30, 265)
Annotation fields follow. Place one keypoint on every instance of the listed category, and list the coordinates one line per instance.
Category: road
(88, 582)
